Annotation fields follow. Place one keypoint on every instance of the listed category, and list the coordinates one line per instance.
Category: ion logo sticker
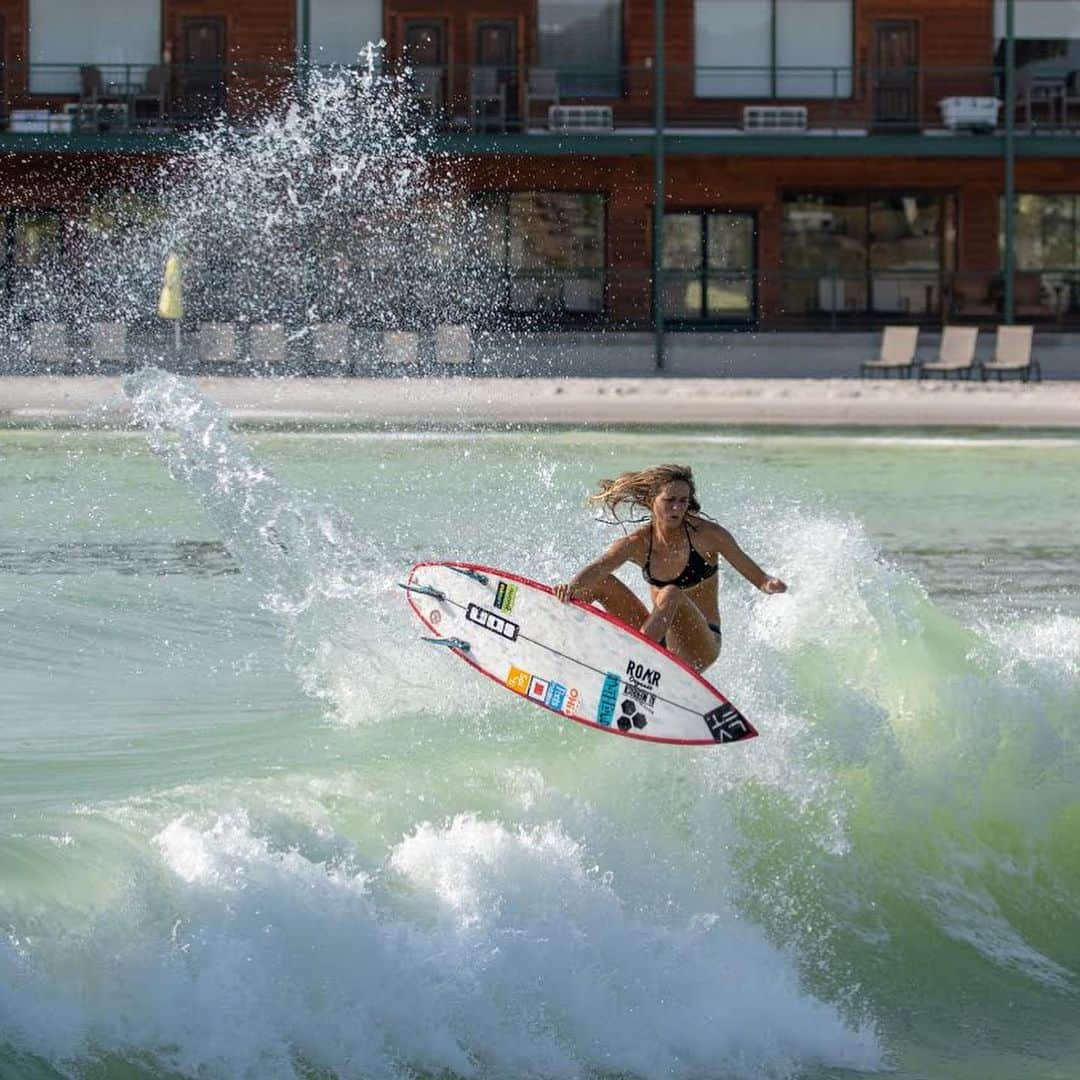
(726, 724)
(572, 700)
(518, 680)
(490, 621)
(505, 595)
(609, 698)
(556, 696)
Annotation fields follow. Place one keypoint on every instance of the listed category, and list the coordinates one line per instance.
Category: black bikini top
(694, 573)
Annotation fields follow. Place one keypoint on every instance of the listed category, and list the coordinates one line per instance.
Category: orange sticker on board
(518, 680)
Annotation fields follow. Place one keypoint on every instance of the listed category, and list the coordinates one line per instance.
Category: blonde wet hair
(639, 489)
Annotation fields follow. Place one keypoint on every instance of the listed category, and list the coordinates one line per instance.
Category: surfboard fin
(449, 642)
(474, 574)
(423, 590)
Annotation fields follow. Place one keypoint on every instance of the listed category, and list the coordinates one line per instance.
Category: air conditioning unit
(970, 113)
(774, 118)
(572, 118)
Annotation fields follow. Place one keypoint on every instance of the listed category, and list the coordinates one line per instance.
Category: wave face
(254, 829)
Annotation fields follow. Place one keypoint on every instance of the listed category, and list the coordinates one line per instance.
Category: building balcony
(835, 111)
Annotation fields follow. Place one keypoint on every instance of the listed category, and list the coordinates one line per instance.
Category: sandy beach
(98, 401)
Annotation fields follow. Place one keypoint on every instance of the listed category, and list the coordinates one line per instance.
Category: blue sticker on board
(556, 696)
(609, 698)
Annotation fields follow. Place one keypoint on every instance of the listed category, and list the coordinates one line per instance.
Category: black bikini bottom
(712, 626)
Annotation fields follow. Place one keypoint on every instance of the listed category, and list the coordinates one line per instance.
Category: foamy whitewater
(255, 828)
(252, 827)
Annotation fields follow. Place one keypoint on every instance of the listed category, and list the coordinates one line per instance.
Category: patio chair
(267, 345)
(898, 344)
(956, 353)
(49, 347)
(1012, 355)
(426, 88)
(487, 99)
(91, 84)
(1028, 301)
(148, 103)
(217, 345)
(972, 294)
(401, 347)
(330, 348)
(541, 85)
(108, 345)
(453, 344)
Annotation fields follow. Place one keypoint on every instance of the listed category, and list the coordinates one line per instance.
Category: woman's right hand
(564, 593)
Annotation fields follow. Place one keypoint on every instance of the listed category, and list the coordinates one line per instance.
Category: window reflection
(1047, 247)
(582, 41)
(857, 252)
(773, 48)
(550, 248)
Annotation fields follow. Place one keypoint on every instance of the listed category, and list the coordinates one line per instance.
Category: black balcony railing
(149, 97)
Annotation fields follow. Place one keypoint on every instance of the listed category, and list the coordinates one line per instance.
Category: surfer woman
(678, 551)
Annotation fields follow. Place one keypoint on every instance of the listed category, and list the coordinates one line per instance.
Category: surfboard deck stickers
(572, 659)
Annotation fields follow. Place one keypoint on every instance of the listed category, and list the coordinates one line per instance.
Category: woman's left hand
(773, 585)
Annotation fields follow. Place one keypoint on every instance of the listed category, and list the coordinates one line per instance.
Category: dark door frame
(197, 87)
(906, 79)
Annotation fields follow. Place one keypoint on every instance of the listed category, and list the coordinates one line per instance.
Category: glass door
(494, 74)
(710, 267)
(896, 74)
(202, 67)
(426, 56)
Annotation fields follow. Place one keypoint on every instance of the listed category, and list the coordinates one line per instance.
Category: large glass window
(582, 41)
(1046, 232)
(342, 29)
(773, 48)
(93, 47)
(709, 266)
(549, 248)
(859, 252)
(1047, 237)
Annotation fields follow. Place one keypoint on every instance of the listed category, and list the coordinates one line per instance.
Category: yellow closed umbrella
(171, 302)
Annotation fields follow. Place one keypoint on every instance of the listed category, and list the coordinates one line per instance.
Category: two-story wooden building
(825, 163)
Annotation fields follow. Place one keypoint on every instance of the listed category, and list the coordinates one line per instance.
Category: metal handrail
(163, 97)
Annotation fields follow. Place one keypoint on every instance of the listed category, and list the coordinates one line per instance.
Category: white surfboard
(572, 659)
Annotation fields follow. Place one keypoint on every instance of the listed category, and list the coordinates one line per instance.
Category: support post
(304, 38)
(659, 91)
(1009, 255)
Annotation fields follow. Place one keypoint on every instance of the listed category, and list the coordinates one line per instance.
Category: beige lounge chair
(401, 347)
(49, 348)
(453, 344)
(897, 354)
(268, 346)
(108, 345)
(330, 352)
(1012, 355)
(217, 345)
(956, 354)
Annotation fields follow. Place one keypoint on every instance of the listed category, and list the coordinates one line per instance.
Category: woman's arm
(622, 551)
(727, 546)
